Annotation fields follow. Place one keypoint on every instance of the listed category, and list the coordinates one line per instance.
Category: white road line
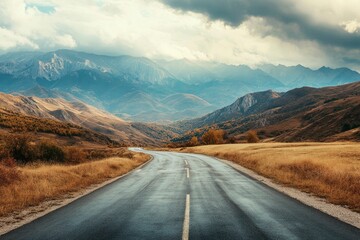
(187, 173)
(186, 224)
(186, 162)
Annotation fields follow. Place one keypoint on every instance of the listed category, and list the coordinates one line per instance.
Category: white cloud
(148, 28)
(10, 40)
(66, 41)
(351, 26)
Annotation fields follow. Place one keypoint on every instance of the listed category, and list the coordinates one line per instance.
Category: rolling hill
(50, 130)
(81, 114)
(302, 114)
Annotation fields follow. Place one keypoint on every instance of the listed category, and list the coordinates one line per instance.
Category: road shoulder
(339, 212)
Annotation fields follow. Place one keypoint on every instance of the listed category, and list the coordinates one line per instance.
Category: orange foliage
(213, 136)
(252, 137)
(193, 142)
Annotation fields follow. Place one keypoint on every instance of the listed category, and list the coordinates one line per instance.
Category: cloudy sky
(290, 32)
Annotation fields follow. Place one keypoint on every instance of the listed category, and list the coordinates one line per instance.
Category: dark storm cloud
(349, 60)
(287, 22)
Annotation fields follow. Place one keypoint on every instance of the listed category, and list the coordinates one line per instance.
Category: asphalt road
(185, 196)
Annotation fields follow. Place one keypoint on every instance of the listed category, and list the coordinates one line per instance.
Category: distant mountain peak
(145, 90)
(324, 68)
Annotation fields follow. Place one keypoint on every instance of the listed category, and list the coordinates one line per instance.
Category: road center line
(186, 162)
(186, 224)
(187, 173)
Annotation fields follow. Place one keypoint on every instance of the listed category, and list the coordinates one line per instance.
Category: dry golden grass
(40, 182)
(328, 170)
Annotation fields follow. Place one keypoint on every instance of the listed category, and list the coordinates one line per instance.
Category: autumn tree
(193, 141)
(252, 136)
(213, 136)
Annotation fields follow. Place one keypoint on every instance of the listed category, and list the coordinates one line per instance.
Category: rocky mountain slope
(243, 106)
(302, 114)
(79, 113)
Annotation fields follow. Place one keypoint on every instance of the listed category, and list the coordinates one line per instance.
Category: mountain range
(140, 89)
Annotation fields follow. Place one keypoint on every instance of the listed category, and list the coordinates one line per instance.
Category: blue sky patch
(48, 9)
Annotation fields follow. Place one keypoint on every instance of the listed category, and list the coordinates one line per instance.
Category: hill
(67, 133)
(81, 114)
(302, 114)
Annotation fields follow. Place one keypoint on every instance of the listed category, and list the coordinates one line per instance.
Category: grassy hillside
(44, 159)
(11, 122)
(86, 116)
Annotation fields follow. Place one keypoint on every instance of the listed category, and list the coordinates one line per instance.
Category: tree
(193, 141)
(213, 136)
(252, 137)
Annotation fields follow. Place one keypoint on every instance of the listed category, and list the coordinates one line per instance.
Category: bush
(50, 152)
(231, 140)
(20, 148)
(127, 154)
(252, 136)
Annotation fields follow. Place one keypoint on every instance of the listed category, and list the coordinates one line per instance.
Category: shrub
(231, 140)
(20, 148)
(252, 137)
(50, 152)
(127, 154)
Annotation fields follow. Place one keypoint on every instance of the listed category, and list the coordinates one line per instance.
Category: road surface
(185, 196)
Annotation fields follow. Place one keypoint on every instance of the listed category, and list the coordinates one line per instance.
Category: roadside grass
(30, 184)
(327, 170)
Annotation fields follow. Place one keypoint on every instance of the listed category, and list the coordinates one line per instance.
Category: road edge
(339, 212)
(52, 205)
